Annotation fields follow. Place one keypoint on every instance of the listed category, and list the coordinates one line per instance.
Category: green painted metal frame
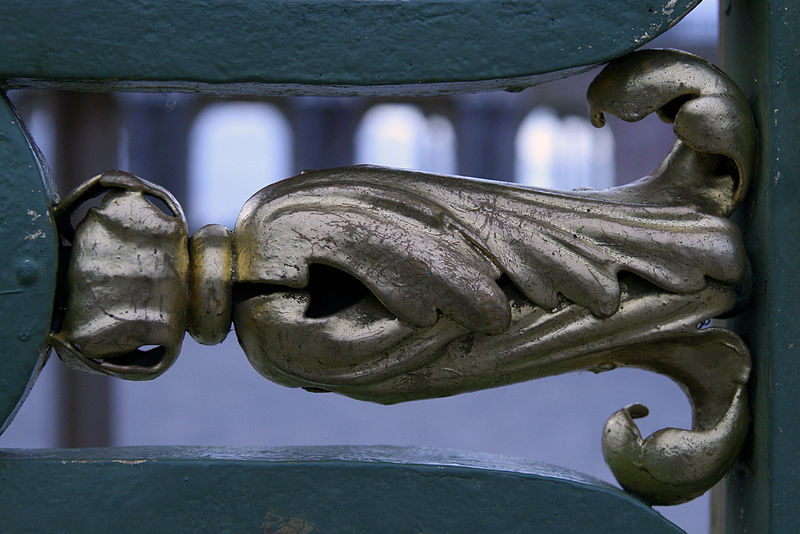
(239, 46)
(761, 45)
(317, 46)
(304, 491)
(30, 261)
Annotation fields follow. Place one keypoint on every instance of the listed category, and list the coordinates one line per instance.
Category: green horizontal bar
(317, 46)
(305, 490)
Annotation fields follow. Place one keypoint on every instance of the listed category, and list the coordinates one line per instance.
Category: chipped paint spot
(648, 35)
(38, 234)
(777, 178)
(277, 524)
(33, 215)
(130, 462)
(668, 9)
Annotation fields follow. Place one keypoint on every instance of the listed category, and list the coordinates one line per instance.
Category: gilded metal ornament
(389, 285)
(210, 283)
(123, 309)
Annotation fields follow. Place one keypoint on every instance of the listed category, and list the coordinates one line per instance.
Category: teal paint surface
(306, 490)
(762, 53)
(28, 265)
(317, 46)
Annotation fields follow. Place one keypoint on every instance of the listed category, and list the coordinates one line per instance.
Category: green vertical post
(761, 51)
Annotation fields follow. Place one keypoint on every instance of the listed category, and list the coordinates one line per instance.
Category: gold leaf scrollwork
(473, 284)
(458, 284)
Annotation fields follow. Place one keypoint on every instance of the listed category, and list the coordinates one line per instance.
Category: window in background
(563, 153)
(235, 149)
(400, 135)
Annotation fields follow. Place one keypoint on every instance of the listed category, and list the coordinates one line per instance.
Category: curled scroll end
(721, 124)
(709, 112)
(672, 465)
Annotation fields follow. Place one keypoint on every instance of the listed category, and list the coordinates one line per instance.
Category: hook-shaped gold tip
(673, 465)
(710, 116)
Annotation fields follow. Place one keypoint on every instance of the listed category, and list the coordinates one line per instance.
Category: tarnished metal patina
(210, 284)
(389, 285)
(125, 304)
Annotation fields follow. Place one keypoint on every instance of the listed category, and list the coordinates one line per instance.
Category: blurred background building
(212, 154)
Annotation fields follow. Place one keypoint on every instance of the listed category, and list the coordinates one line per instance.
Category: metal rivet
(27, 273)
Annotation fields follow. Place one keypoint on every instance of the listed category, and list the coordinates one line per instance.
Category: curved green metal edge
(30, 259)
(318, 46)
(306, 490)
